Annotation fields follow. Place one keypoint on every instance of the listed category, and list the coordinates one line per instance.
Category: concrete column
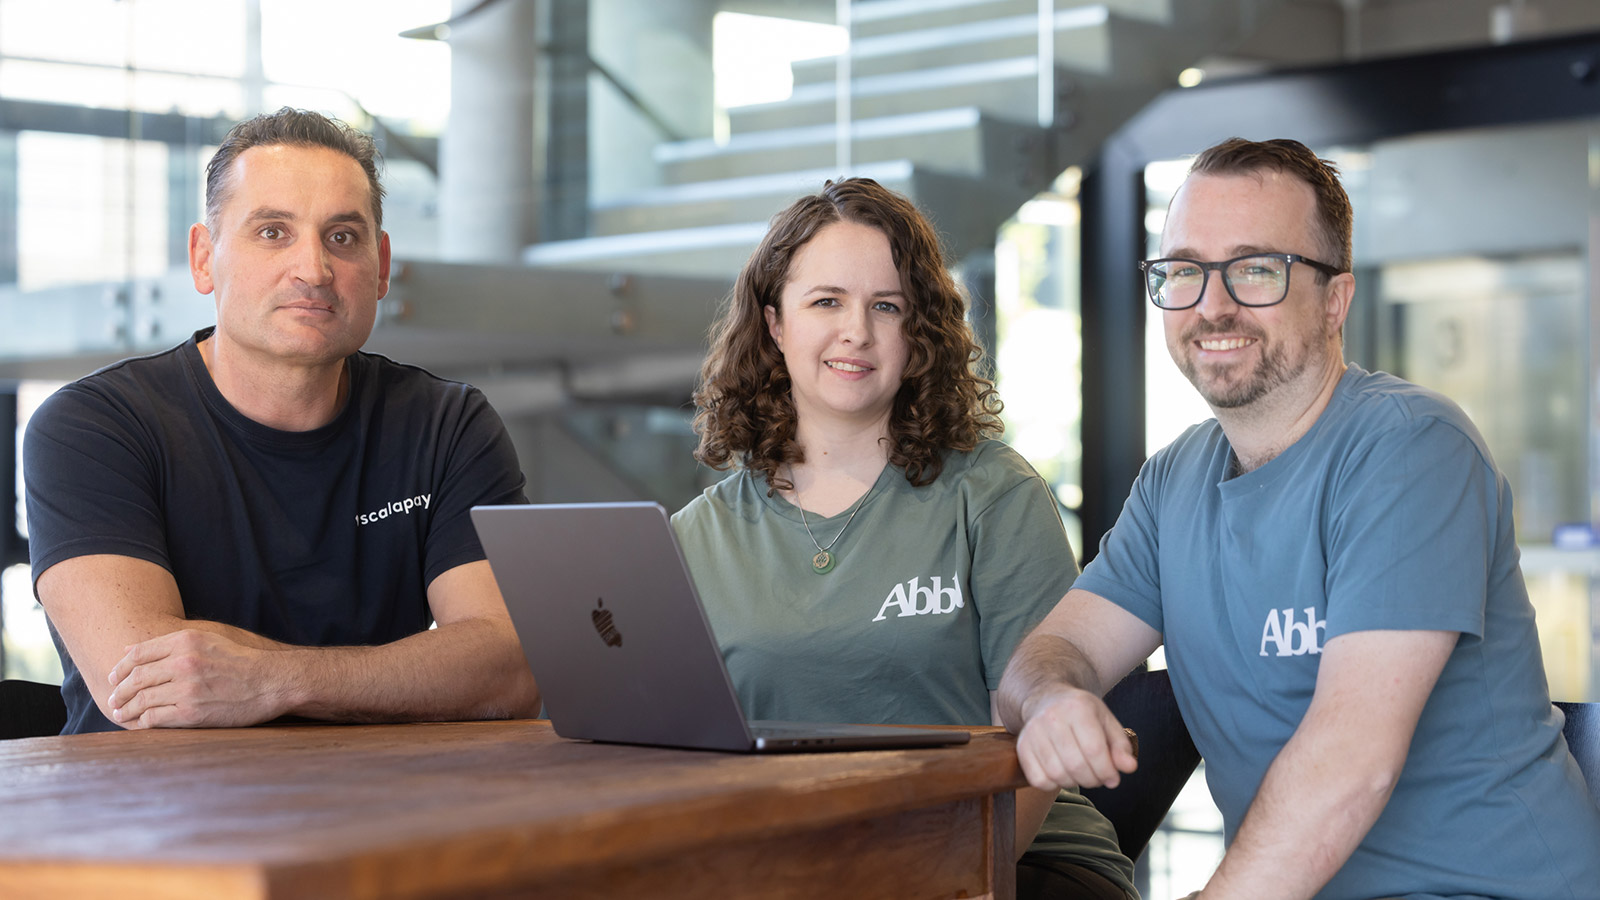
(255, 75)
(488, 205)
(563, 120)
(660, 52)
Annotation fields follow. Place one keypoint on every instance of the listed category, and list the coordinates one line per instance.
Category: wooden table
(494, 809)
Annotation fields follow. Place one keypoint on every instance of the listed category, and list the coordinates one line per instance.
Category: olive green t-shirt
(932, 589)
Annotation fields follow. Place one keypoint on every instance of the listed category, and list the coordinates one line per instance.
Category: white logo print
(1290, 637)
(394, 508)
(915, 600)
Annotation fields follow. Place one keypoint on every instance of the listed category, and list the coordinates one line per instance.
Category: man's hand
(1050, 694)
(1072, 740)
(193, 678)
(149, 666)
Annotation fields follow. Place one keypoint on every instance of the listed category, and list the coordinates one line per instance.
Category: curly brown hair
(745, 413)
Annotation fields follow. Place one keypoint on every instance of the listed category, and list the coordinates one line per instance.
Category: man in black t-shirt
(265, 521)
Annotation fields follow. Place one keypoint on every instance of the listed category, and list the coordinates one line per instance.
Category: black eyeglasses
(1259, 279)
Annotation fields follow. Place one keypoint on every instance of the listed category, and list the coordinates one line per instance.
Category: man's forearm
(471, 669)
(1316, 804)
(1050, 694)
(1041, 663)
(231, 632)
(1335, 775)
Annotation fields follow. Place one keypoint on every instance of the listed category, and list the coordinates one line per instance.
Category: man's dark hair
(1335, 220)
(295, 128)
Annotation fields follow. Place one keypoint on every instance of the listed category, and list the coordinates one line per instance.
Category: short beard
(1274, 368)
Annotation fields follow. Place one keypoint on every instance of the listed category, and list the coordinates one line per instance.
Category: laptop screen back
(611, 627)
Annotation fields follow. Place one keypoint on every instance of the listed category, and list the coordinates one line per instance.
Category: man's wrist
(289, 680)
(1042, 695)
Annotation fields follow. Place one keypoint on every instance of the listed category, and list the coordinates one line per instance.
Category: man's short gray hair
(295, 128)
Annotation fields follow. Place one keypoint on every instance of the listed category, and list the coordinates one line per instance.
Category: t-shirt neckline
(788, 510)
(250, 428)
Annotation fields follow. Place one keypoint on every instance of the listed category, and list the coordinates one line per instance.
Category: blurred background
(573, 185)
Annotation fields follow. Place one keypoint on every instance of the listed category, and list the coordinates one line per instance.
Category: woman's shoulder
(991, 458)
(990, 469)
(739, 494)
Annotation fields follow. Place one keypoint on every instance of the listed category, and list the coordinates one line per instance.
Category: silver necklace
(824, 561)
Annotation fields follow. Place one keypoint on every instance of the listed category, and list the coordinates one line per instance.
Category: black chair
(1143, 702)
(1583, 736)
(30, 709)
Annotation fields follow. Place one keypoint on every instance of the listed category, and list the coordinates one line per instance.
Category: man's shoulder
(1381, 406)
(393, 385)
(1381, 395)
(160, 366)
(390, 372)
(139, 385)
(1202, 445)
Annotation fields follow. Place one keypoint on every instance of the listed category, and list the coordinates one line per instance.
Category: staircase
(944, 107)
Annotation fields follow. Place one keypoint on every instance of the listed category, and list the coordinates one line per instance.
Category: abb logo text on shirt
(1290, 637)
(915, 600)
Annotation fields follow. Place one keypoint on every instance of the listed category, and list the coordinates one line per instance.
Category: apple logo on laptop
(603, 624)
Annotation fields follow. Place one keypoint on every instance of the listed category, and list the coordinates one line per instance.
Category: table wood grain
(496, 809)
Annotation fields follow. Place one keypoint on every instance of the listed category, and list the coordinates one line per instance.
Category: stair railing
(841, 91)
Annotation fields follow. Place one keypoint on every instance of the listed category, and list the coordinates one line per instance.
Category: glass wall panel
(203, 37)
(29, 652)
(89, 209)
(356, 51)
(1039, 342)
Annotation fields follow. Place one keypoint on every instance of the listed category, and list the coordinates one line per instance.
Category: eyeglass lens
(1252, 280)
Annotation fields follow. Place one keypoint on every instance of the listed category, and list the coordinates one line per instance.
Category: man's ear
(200, 258)
(383, 264)
(1339, 294)
(774, 325)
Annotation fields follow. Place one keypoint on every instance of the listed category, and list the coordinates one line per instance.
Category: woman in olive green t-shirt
(899, 552)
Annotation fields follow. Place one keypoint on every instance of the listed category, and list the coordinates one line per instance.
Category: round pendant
(822, 563)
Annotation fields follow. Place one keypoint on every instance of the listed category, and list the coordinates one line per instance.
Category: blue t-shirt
(1388, 514)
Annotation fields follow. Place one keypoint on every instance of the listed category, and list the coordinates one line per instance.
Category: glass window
(1171, 404)
(752, 55)
(153, 57)
(89, 209)
(118, 88)
(29, 653)
(356, 46)
(206, 38)
(1039, 342)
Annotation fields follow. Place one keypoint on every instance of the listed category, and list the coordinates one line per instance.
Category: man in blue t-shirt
(1331, 566)
(265, 521)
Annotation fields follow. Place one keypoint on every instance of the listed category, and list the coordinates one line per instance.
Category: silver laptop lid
(610, 624)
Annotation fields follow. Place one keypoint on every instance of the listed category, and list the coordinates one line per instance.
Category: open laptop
(619, 643)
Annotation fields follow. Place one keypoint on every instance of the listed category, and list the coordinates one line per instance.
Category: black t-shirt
(318, 538)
